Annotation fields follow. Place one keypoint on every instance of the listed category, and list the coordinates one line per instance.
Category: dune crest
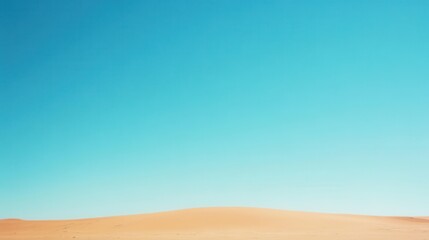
(222, 223)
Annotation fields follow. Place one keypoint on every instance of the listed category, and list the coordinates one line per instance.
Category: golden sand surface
(222, 223)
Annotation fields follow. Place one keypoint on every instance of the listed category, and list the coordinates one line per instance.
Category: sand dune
(222, 223)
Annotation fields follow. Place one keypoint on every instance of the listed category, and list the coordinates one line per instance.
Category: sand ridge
(222, 223)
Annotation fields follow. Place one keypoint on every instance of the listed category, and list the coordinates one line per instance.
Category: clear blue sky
(124, 107)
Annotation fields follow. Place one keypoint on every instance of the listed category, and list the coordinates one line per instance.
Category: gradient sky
(125, 107)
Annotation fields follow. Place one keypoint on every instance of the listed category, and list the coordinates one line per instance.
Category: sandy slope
(222, 223)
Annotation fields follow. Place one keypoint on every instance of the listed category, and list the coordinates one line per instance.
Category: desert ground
(222, 223)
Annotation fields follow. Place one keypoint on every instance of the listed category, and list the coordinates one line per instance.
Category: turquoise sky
(124, 107)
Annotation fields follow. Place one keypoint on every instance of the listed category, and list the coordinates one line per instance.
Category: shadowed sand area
(222, 223)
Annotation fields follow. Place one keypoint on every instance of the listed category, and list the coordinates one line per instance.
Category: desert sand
(222, 223)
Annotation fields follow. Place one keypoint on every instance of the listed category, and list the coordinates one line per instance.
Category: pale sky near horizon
(126, 107)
